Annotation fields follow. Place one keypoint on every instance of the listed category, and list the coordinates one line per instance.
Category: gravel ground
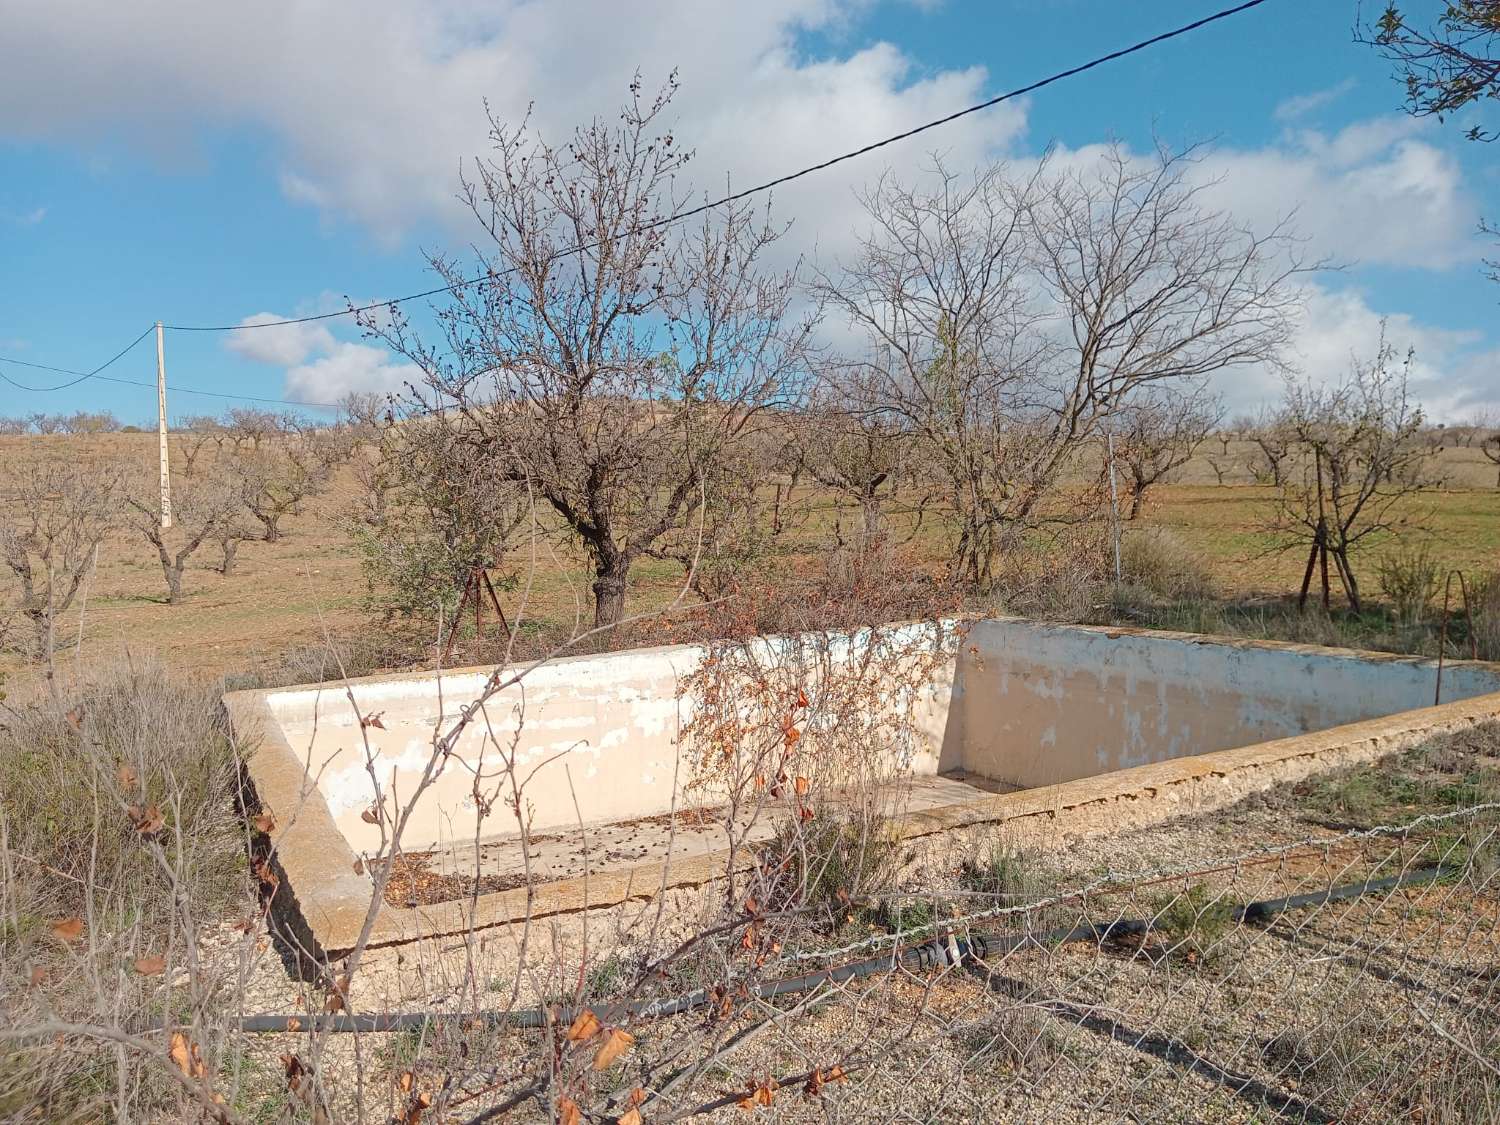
(1377, 1008)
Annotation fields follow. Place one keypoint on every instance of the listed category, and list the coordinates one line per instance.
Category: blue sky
(179, 162)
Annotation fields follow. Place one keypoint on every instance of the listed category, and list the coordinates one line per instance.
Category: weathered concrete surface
(597, 737)
(1041, 704)
(1012, 716)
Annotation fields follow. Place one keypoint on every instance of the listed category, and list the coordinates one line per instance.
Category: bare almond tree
(275, 481)
(1360, 465)
(1007, 317)
(56, 514)
(1273, 442)
(1159, 432)
(1490, 447)
(611, 358)
(201, 510)
(850, 444)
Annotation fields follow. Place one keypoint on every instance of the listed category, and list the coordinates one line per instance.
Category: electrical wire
(95, 374)
(82, 375)
(666, 220)
(735, 197)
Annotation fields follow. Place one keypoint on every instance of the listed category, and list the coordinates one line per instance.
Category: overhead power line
(666, 220)
(95, 374)
(735, 197)
(82, 375)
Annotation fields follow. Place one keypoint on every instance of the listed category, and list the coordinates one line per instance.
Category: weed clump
(834, 859)
(1159, 563)
(120, 835)
(1194, 922)
(1408, 576)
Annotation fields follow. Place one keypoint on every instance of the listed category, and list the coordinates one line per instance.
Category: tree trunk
(173, 571)
(1346, 575)
(870, 514)
(610, 573)
(273, 531)
(1137, 497)
(231, 548)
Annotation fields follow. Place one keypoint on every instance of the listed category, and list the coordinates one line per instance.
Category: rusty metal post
(1463, 586)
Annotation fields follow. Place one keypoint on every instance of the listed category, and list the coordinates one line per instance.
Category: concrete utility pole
(161, 429)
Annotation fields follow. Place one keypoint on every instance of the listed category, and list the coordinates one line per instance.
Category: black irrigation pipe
(937, 953)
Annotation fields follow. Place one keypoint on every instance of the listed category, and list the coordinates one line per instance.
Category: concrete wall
(1025, 704)
(601, 730)
(1041, 704)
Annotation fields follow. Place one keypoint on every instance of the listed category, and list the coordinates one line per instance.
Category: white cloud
(1372, 193)
(373, 111)
(284, 345)
(1303, 104)
(348, 368)
(1453, 373)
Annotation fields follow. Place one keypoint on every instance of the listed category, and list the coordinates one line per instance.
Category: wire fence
(1352, 978)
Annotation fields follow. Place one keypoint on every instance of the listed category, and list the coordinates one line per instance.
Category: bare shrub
(1485, 592)
(1057, 573)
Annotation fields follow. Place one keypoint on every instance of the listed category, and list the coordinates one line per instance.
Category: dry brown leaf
(801, 698)
(148, 821)
(760, 1093)
(67, 929)
(637, 1096)
(152, 965)
(404, 1082)
(801, 785)
(820, 1078)
(38, 975)
(293, 1024)
(585, 1026)
(127, 778)
(359, 866)
(75, 716)
(792, 734)
(265, 822)
(568, 1113)
(179, 1054)
(415, 1108)
(615, 1045)
(186, 1055)
(631, 1116)
(373, 721)
(370, 816)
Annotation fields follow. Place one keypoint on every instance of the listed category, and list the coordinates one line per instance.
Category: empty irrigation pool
(1056, 731)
